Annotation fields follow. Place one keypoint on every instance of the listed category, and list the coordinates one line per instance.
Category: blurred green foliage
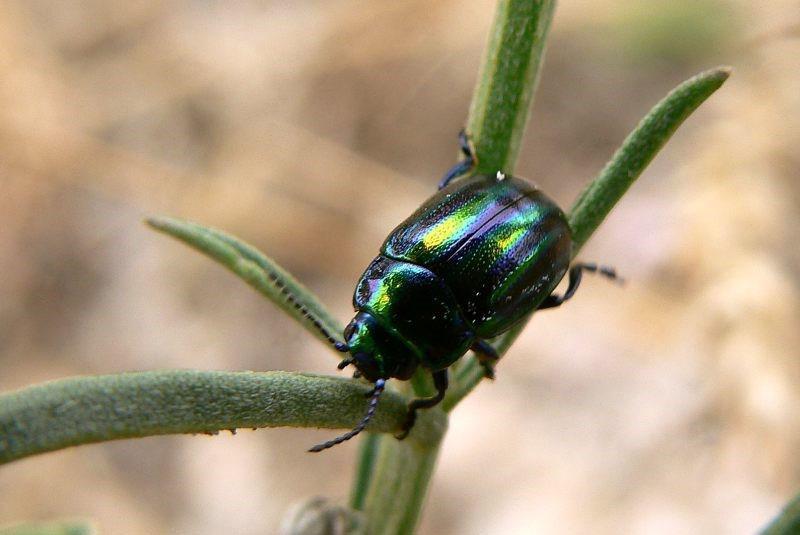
(685, 32)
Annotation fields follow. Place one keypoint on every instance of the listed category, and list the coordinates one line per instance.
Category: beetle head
(376, 352)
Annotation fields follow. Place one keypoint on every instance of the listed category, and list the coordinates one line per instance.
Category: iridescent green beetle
(470, 263)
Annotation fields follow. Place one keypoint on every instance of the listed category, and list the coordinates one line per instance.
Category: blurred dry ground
(310, 129)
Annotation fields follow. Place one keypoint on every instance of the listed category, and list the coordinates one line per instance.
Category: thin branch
(83, 410)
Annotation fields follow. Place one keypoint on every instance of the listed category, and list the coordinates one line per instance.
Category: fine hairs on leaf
(89, 409)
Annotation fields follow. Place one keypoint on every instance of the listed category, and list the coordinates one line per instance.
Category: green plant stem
(367, 457)
(83, 410)
(392, 488)
(787, 522)
(398, 490)
(507, 80)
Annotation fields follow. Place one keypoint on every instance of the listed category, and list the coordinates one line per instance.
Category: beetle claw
(488, 370)
(411, 418)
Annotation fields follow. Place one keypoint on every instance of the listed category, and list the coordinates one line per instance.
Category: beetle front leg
(465, 165)
(440, 382)
(487, 356)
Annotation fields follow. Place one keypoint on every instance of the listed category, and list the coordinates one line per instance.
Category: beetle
(470, 263)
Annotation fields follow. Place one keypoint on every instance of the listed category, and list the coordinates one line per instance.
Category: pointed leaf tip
(260, 272)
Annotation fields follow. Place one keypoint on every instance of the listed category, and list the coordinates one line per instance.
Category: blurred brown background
(310, 129)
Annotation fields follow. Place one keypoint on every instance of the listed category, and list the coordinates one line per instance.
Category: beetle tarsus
(487, 356)
(575, 273)
(440, 382)
(606, 271)
(488, 370)
(464, 166)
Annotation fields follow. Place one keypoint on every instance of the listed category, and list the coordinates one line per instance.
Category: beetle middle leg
(440, 382)
(575, 272)
(487, 356)
(465, 165)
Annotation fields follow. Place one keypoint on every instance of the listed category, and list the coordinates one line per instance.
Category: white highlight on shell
(501, 176)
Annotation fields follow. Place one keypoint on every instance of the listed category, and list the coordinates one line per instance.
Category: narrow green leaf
(507, 81)
(84, 410)
(788, 520)
(259, 271)
(365, 467)
(64, 527)
(638, 150)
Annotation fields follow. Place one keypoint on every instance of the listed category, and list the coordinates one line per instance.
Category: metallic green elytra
(497, 243)
(466, 266)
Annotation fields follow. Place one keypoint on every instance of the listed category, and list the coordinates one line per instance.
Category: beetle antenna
(380, 385)
(277, 281)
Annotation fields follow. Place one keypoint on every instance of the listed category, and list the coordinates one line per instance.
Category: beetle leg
(575, 272)
(464, 143)
(606, 271)
(440, 382)
(465, 165)
(487, 356)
